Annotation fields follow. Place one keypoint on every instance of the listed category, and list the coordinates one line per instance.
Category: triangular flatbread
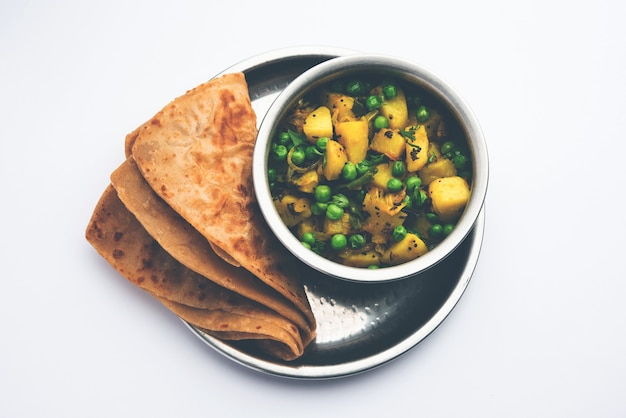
(196, 154)
(128, 150)
(190, 248)
(259, 325)
(121, 240)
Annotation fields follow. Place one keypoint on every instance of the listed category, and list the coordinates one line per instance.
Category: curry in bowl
(369, 171)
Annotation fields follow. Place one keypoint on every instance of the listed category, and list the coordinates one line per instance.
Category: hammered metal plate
(360, 326)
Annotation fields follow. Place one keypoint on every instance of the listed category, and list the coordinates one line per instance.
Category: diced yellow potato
(336, 158)
(417, 150)
(382, 175)
(396, 111)
(390, 143)
(433, 150)
(307, 225)
(307, 181)
(318, 124)
(353, 135)
(340, 106)
(312, 225)
(449, 195)
(422, 226)
(385, 213)
(293, 209)
(443, 167)
(339, 226)
(408, 249)
(363, 259)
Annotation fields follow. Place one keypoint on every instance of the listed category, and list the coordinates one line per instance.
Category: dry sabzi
(370, 171)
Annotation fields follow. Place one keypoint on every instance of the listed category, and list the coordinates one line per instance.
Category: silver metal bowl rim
(411, 72)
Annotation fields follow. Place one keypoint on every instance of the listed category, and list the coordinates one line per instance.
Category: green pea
(321, 144)
(362, 167)
(373, 102)
(309, 238)
(356, 241)
(298, 156)
(394, 185)
(355, 87)
(306, 245)
(422, 114)
(334, 212)
(459, 161)
(418, 196)
(407, 201)
(338, 242)
(389, 91)
(284, 138)
(435, 230)
(398, 169)
(398, 233)
(447, 147)
(271, 175)
(322, 193)
(373, 267)
(319, 208)
(340, 200)
(466, 174)
(312, 153)
(381, 122)
(432, 217)
(423, 197)
(349, 171)
(447, 229)
(280, 152)
(413, 182)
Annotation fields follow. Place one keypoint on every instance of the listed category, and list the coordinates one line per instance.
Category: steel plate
(360, 326)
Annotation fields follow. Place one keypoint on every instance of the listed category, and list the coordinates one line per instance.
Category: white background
(540, 331)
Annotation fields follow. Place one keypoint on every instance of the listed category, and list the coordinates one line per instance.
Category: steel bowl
(399, 69)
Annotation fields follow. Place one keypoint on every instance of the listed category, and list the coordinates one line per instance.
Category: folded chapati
(184, 243)
(121, 240)
(271, 333)
(196, 154)
(128, 147)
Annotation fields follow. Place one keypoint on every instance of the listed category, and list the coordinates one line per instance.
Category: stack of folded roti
(179, 220)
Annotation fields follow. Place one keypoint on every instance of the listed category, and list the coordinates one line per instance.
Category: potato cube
(409, 248)
(442, 167)
(292, 209)
(382, 175)
(449, 195)
(340, 106)
(390, 143)
(353, 135)
(396, 110)
(359, 258)
(417, 150)
(318, 124)
(307, 181)
(336, 158)
(339, 226)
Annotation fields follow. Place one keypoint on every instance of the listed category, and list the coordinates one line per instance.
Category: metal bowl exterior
(398, 68)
